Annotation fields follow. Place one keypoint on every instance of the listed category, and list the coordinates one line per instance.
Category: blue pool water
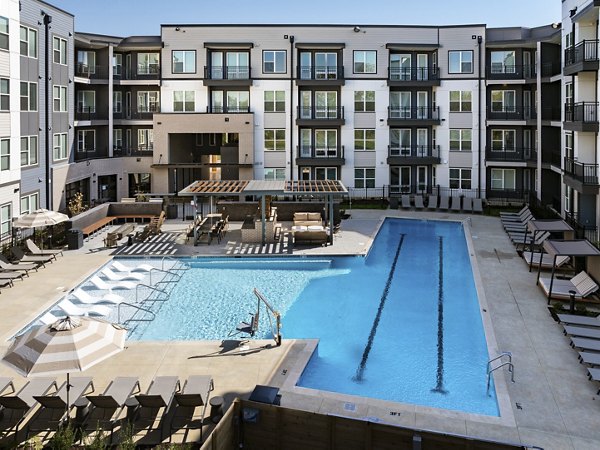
(402, 324)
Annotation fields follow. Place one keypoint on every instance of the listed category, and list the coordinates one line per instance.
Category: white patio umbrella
(40, 218)
(71, 344)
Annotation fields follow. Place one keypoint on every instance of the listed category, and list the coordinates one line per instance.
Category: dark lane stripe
(363, 362)
(440, 344)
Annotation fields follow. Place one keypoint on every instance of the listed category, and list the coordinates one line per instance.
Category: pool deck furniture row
(453, 203)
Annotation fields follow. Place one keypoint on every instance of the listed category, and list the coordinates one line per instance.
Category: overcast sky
(143, 17)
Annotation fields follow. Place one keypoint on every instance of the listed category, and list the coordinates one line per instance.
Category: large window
(364, 139)
(460, 61)
(400, 66)
(364, 178)
(147, 101)
(364, 101)
(460, 101)
(503, 140)
(275, 140)
(503, 101)
(59, 146)
(28, 42)
(5, 220)
(145, 139)
(460, 178)
(29, 151)
(184, 61)
(148, 63)
(86, 62)
(230, 101)
(4, 94)
(4, 33)
(365, 61)
(400, 141)
(4, 154)
(275, 173)
(274, 101)
(86, 140)
(326, 173)
(29, 203)
(59, 50)
(184, 101)
(503, 179)
(232, 65)
(60, 98)
(274, 61)
(139, 183)
(502, 61)
(460, 140)
(28, 96)
(86, 101)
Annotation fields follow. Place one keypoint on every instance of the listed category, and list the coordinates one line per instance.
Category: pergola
(327, 189)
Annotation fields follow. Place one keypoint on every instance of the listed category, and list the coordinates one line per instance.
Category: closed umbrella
(71, 344)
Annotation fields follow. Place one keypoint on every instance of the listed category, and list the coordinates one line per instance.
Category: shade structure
(40, 218)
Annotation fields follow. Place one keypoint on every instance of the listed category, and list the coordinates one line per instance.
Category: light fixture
(226, 119)
(357, 29)
(555, 25)
(573, 12)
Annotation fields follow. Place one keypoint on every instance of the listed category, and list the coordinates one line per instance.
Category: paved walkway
(552, 403)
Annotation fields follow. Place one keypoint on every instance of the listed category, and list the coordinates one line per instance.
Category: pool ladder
(132, 319)
(508, 362)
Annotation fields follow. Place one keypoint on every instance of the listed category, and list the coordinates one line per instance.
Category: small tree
(76, 205)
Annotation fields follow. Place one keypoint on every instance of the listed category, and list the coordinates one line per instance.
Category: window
(326, 173)
(364, 139)
(184, 101)
(230, 101)
(59, 146)
(400, 141)
(60, 98)
(365, 61)
(569, 93)
(86, 101)
(5, 220)
(503, 101)
(29, 203)
(569, 145)
(274, 101)
(277, 173)
(117, 139)
(326, 142)
(318, 65)
(364, 101)
(229, 65)
(4, 154)
(460, 140)
(86, 140)
(117, 101)
(28, 96)
(460, 178)
(275, 140)
(145, 139)
(59, 46)
(503, 179)
(460, 61)
(364, 178)
(502, 62)
(568, 195)
(4, 33)
(400, 105)
(139, 183)
(503, 140)
(148, 63)
(86, 62)
(400, 66)
(4, 94)
(460, 101)
(274, 61)
(117, 64)
(147, 101)
(29, 151)
(28, 42)
(184, 61)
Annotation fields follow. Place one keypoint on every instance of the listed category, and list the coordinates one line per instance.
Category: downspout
(47, 96)
(292, 108)
(479, 40)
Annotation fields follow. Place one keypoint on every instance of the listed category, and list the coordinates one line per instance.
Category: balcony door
(422, 142)
(216, 66)
(325, 143)
(422, 105)
(237, 66)
(306, 105)
(421, 179)
(305, 143)
(325, 66)
(400, 66)
(422, 67)
(400, 105)
(326, 105)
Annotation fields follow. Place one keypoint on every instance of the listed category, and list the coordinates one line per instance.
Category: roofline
(314, 25)
(56, 8)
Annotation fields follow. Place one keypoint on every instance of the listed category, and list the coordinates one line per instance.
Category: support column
(330, 199)
(263, 205)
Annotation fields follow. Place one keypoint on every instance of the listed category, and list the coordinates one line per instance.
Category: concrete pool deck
(553, 404)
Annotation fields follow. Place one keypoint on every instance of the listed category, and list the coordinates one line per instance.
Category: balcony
(140, 150)
(91, 72)
(511, 72)
(415, 154)
(318, 155)
(582, 116)
(227, 109)
(582, 177)
(89, 113)
(227, 76)
(413, 76)
(145, 72)
(320, 75)
(144, 112)
(325, 116)
(416, 115)
(583, 57)
(513, 154)
(90, 153)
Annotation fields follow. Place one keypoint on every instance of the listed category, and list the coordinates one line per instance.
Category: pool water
(402, 324)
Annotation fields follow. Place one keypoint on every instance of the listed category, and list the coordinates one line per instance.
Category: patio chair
(533, 259)
(112, 276)
(23, 258)
(523, 218)
(7, 282)
(35, 250)
(586, 344)
(585, 332)
(419, 202)
(26, 267)
(11, 275)
(71, 309)
(120, 267)
(509, 214)
(432, 202)
(195, 394)
(455, 204)
(467, 205)
(570, 319)
(444, 203)
(86, 298)
(159, 396)
(582, 284)
(103, 285)
(594, 375)
(406, 201)
(590, 358)
(478, 205)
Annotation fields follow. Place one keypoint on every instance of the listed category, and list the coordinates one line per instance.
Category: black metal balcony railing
(584, 51)
(414, 151)
(413, 113)
(320, 73)
(413, 73)
(140, 150)
(89, 113)
(585, 173)
(496, 71)
(586, 112)
(95, 152)
(320, 113)
(227, 109)
(227, 72)
(508, 112)
(91, 72)
(320, 151)
(551, 68)
(515, 154)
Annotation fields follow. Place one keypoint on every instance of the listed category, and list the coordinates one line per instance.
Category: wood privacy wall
(278, 428)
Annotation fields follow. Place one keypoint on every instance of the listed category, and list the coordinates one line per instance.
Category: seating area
(308, 229)
(459, 204)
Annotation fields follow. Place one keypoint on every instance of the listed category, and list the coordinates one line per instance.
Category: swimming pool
(402, 324)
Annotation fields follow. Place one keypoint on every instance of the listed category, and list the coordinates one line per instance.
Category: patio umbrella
(71, 344)
(40, 218)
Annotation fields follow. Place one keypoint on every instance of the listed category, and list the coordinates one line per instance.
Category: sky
(144, 17)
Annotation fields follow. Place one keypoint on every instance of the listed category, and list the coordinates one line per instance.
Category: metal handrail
(136, 307)
(490, 370)
(166, 271)
(152, 288)
(175, 260)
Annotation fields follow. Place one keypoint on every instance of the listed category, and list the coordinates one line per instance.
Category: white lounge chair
(101, 284)
(533, 259)
(112, 276)
(48, 318)
(71, 309)
(120, 267)
(582, 284)
(88, 299)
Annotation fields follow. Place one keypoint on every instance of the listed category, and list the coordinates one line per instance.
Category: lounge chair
(406, 201)
(11, 275)
(517, 220)
(103, 285)
(23, 258)
(432, 202)
(120, 267)
(586, 344)
(478, 205)
(582, 284)
(585, 332)
(48, 318)
(533, 259)
(419, 202)
(195, 393)
(6, 383)
(508, 214)
(25, 267)
(444, 203)
(590, 358)
(86, 298)
(467, 205)
(527, 239)
(159, 396)
(6, 282)
(71, 309)
(112, 276)
(35, 250)
(571, 319)
(455, 202)
(594, 375)
(17, 406)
